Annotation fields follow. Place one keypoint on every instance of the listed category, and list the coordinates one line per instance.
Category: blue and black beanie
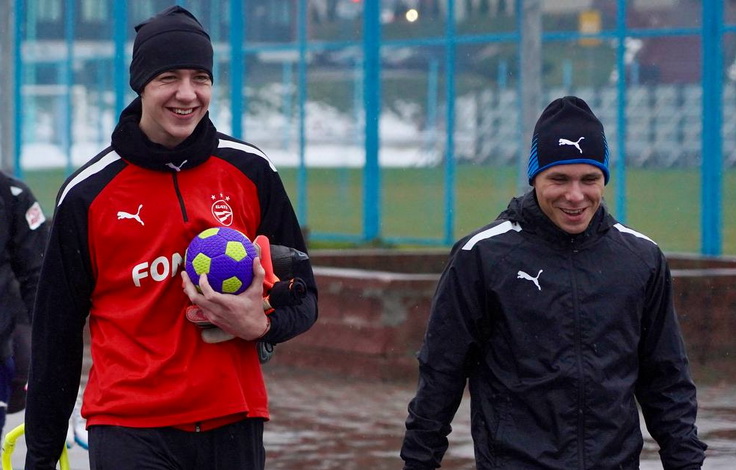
(568, 132)
(173, 39)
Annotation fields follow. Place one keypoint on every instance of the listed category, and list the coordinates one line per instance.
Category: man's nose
(575, 192)
(185, 91)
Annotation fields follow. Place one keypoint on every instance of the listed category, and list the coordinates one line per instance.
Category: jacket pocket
(490, 423)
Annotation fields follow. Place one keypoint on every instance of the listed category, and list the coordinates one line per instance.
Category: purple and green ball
(225, 255)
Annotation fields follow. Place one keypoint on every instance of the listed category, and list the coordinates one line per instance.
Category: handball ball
(225, 255)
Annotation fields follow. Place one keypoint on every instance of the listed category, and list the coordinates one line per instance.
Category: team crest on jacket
(34, 216)
(221, 209)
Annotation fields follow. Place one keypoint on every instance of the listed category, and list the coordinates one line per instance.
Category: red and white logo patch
(221, 210)
(34, 216)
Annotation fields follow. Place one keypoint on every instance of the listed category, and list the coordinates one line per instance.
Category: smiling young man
(560, 319)
(570, 195)
(174, 102)
(159, 395)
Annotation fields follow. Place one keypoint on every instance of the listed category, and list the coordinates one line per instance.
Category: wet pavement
(329, 423)
(322, 422)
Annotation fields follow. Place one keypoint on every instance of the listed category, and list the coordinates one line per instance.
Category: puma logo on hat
(575, 144)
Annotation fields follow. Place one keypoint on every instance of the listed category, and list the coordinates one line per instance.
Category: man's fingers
(205, 288)
(259, 274)
(190, 290)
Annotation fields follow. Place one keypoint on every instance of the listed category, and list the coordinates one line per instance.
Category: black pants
(237, 446)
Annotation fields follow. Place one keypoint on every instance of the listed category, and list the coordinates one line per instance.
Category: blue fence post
(302, 90)
(237, 33)
(215, 35)
(372, 105)
(621, 113)
(450, 49)
(68, 81)
(102, 72)
(287, 103)
(431, 125)
(20, 9)
(503, 75)
(712, 145)
(521, 161)
(358, 97)
(120, 24)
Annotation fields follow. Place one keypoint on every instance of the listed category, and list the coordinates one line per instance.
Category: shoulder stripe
(229, 144)
(492, 232)
(96, 167)
(624, 229)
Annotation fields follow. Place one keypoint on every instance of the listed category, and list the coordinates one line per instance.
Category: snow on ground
(333, 140)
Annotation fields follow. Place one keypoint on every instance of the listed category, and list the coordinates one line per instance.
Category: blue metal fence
(369, 52)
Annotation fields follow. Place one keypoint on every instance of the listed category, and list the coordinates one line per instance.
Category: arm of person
(61, 308)
(289, 321)
(665, 389)
(28, 240)
(445, 360)
(279, 223)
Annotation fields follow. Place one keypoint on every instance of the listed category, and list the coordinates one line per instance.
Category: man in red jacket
(158, 394)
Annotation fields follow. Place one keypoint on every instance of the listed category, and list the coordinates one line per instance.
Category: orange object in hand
(264, 252)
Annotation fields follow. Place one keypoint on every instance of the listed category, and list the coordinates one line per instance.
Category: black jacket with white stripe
(558, 336)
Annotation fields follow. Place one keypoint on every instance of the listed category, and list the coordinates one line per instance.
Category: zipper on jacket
(579, 358)
(197, 427)
(182, 206)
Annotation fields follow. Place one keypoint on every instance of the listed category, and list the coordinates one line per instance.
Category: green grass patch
(663, 204)
(45, 185)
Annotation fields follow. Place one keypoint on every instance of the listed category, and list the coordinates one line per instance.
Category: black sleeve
(665, 389)
(61, 309)
(445, 360)
(27, 241)
(279, 223)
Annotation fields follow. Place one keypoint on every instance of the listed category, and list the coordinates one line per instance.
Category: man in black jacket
(560, 319)
(23, 232)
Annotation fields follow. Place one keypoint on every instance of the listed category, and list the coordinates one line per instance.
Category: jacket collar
(132, 144)
(525, 211)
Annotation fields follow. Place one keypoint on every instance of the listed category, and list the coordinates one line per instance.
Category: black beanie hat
(173, 39)
(568, 132)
